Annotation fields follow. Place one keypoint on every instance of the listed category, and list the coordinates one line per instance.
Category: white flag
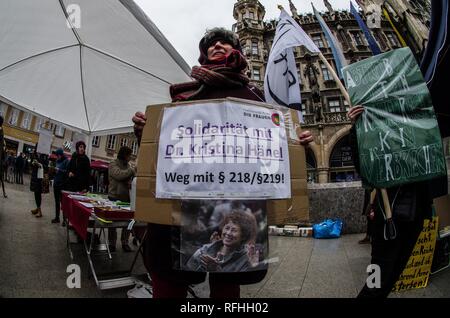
(281, 83)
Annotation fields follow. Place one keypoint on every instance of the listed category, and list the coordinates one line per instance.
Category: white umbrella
(91, 74)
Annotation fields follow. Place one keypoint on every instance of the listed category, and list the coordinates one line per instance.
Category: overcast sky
(184, 22)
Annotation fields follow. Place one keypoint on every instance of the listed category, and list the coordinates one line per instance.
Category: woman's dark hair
(80, 143)
(245, 221)
(1, 120)
(124, 152)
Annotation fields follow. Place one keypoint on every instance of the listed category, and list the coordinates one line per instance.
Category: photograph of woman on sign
(223, 236)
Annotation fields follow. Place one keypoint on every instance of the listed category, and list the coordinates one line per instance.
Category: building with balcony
(21, 131)
(329, 159)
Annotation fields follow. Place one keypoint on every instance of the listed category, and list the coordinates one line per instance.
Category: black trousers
(38, 199)
(19, 176)
(391, 256)
(57, 192)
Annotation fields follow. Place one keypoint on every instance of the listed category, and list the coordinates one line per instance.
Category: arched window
(342, 168)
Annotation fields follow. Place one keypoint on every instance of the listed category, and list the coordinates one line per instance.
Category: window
(358, 38)
(317, 39)
(13, 117)
(303, 108)
(334, 105)
(26, 121)
(123, 142)
(111, 142)
(59, 131)
(3, 108)
(346, 105)
(39, 123)
(251, 15)
(392, 39)
(325, 72)
(96, 141)
(134, 147)
(256, 74)
(254, 47)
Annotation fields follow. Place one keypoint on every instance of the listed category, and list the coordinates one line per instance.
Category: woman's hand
(139, 120)
(211, 264)
(253, 254)
(305, 137)
(354, 113)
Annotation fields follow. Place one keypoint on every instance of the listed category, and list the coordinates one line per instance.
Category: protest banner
(417, 270)
(45, 141)
(185, 155)
(398, 135)
(231, 151)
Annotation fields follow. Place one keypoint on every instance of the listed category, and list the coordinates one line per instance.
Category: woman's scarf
(228, 73)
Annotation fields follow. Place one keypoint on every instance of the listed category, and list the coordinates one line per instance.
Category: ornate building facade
(329, 159)
(412, 19)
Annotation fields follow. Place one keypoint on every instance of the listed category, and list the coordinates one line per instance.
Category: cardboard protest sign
(221, 236)
(45, 141)
(167, 210)
(417, 270)
(231, 151)
(398, 135)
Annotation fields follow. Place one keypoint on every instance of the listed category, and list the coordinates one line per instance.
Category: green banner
(398, 135)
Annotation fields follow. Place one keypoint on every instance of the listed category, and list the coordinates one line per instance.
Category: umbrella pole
(89, 146)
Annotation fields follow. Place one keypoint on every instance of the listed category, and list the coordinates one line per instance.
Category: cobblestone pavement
(34, 259)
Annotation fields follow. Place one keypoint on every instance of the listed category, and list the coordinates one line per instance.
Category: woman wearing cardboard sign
(394, 234)
(221, 75)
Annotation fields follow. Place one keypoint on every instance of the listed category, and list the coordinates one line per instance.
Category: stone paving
(34, 258)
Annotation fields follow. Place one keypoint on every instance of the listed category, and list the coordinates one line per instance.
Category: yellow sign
(417, 270)
(21, 134)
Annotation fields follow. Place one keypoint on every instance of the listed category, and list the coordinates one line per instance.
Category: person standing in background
(79, 169)
(37, 175)
(60, 181)
(20, 163)
(120, 175)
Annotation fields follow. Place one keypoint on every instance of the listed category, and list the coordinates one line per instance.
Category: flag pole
(336, 78)
(333, 73)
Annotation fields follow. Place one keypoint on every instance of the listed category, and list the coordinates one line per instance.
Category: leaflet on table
(231, 151)
(87, 204)
(79, 197)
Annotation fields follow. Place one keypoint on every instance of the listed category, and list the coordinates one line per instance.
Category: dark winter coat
(35, 182)
(62, 173)
(80, 166)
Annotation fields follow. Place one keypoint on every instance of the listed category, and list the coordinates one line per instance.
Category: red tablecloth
(78, 215)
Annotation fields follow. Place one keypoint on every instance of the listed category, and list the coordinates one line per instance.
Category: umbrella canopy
(91, 74)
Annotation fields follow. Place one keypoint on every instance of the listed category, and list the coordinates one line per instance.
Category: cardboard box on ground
(442, 208)
(163, 211)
